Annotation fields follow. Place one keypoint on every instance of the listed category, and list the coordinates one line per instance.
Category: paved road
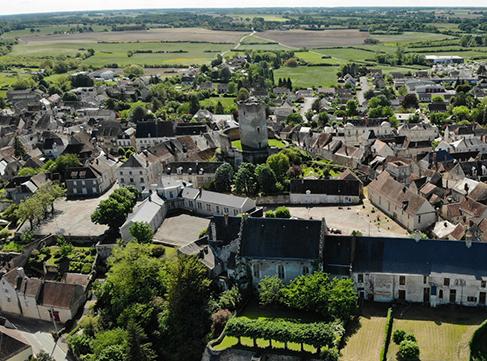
(307, 104)
(38, 334)
(364, 85)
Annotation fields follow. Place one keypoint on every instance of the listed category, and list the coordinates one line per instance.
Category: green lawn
(442, 334)
(272, 143)
(254, 311)
(227, 102)
(229, 342)
(309, 76)
(365, 338)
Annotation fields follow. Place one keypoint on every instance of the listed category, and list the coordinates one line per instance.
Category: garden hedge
(387, 335)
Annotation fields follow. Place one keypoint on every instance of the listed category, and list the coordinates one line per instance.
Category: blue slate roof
(405, 255)
(279, 238)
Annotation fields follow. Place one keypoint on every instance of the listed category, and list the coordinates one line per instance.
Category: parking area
(73, 218)
(363, 218)
(180, 230)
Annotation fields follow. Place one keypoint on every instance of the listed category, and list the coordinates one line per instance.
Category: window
(122, 180)
(440, 294)
(131, 180)
(280, 271)
(190, 203)
(217, 209)
(472, 299)
(141, 180)
(425, 279)
(402, 280)
(446, 282)
(483, 284)
(305, 270)
(256, 269)
(199, 205)
(208, 207)
(360, 278)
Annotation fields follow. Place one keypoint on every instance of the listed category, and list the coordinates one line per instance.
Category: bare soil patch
(316, 39)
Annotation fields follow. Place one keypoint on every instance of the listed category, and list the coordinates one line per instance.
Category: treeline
(472, 41)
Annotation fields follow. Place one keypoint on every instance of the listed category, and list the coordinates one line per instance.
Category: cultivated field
(442, 334)
(184, 53)
(172, 34)
(316, 39)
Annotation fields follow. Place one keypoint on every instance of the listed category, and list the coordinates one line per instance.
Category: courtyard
(364, 218)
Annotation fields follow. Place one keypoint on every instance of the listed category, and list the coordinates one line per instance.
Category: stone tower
(253, 126)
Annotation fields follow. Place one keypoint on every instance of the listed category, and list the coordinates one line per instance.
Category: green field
(408, 37)
(117, 53)
(309, 76)
(442, 334)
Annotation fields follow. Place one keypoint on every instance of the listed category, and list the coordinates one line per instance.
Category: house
(92, 180)
(151, 210)
(410, 210)
(20, 188)
(324, 191)
(140, 171)
(13, 346)
(285, 248)
(355, 130)
(207, 203)
(149, 133)
(127, 138)
(418, 132)
(433, 272)
(39, 299)
(196, 173)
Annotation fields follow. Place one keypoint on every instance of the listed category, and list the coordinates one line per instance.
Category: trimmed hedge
(318, 334)
(478, 348)
(387, 335)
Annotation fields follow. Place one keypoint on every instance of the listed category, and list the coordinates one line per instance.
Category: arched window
(256, 270)
(280, 271)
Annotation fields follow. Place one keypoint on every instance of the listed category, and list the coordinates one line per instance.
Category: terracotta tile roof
(60, 295)
(397, 193)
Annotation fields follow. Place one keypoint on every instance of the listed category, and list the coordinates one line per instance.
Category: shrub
(230, 299)
(219, 320)
(282, 212)
(387, 336)
(401, 335)
(270, 290)
(408, 351)
(478, 344)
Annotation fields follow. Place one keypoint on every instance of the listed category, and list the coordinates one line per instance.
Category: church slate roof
(279, 238)
(407, 256)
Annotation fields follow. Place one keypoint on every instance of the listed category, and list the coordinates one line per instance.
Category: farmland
(315, 39)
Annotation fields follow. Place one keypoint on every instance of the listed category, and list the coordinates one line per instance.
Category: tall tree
(245, 181)
(187, 321)
(138, 349)
(223, 178)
